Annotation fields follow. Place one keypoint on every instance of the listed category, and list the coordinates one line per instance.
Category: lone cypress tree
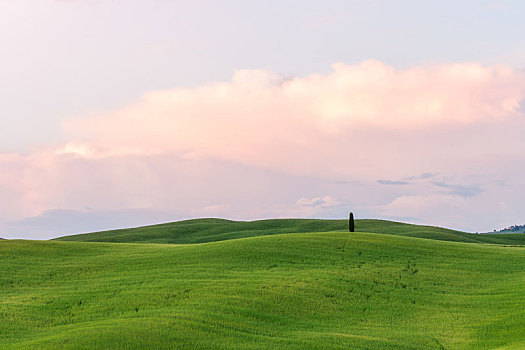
(351, 222)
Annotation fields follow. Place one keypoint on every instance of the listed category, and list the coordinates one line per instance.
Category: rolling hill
(306, 290)
(211, 230)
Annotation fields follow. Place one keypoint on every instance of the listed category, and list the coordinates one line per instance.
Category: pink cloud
(260, 119)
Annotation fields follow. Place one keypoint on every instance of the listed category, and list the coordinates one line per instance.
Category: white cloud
(321, 202)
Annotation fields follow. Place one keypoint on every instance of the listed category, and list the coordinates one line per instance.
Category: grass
(212, 230)
(313, 290)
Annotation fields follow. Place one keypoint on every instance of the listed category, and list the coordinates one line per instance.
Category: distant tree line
(514, 228)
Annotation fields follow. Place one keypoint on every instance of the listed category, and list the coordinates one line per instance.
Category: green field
(295, 284)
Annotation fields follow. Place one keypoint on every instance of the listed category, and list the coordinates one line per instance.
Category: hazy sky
(122, 113)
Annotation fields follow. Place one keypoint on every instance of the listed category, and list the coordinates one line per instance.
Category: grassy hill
(299, 291)
(211, 230)
(286, 284)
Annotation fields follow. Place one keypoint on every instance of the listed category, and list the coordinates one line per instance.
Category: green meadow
(271, 284)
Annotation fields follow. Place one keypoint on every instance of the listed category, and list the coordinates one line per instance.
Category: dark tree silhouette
(351, 222)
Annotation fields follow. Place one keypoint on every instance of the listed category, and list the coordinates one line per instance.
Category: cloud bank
(262, 119)
(263, 145)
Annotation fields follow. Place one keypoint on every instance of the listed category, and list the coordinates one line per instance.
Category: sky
(121, 113)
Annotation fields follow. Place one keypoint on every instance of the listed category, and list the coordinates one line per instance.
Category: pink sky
(129, 112)
(438, 143)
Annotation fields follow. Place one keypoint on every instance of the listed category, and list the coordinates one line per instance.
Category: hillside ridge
(214, 229)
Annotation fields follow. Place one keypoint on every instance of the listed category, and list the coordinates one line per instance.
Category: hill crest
(214, 229)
